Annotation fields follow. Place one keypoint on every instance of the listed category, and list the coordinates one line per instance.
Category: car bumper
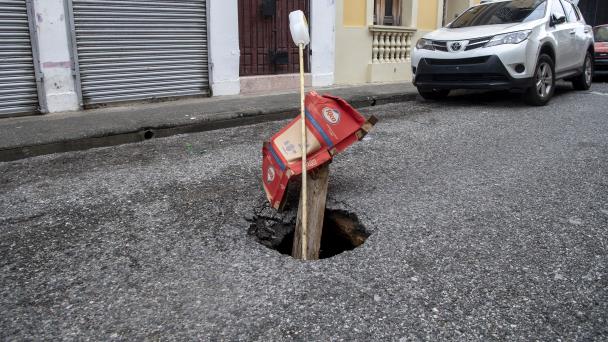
(600, 66)
(485, 72)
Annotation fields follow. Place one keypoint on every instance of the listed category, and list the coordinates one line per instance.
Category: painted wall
(353, 40)
(428, 11)
(224, 53)
(55, 59)
(354, 13)
(410, 10)
(323, 42)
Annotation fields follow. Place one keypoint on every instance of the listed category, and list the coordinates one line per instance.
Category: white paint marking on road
(598, 93)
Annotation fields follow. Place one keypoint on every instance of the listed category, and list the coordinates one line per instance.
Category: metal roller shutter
(140, 49)
(18, 90)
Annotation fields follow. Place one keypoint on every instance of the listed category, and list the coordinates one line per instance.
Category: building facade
(374, 38)
(251, 49)
(65, 55)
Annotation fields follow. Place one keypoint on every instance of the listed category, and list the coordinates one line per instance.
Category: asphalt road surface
(489, 222)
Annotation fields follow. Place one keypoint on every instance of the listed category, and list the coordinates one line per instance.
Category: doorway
(264, 37)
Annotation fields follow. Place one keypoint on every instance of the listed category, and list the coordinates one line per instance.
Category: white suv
(521, 45)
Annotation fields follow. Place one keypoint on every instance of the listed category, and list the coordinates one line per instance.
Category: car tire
(542, 91)
(434, 94)
(583, 81)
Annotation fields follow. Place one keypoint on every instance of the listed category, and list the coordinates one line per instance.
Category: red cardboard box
(335, 122)
(331, 124)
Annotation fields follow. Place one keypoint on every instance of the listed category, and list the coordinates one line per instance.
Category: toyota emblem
(456, 46)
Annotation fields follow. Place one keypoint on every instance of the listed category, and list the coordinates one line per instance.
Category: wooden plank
(367, 126)
(317, 182)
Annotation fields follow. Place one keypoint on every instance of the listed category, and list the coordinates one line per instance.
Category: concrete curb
(206, 122)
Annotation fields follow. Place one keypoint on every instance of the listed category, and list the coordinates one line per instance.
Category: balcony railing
(391, 44)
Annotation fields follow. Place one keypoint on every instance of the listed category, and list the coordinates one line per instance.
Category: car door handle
(573, 32)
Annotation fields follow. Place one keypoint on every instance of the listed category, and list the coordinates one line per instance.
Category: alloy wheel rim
(588, 70)
(544, 80)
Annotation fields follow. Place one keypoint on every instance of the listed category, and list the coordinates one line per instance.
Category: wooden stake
(318, 181)
(304, 197)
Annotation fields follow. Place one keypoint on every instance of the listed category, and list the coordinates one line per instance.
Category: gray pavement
(489, 222)
(24, 137)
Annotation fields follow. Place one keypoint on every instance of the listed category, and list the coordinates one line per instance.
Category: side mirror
(557, 20)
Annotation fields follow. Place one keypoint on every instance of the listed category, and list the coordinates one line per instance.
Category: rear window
(503, 12)
(601, 34)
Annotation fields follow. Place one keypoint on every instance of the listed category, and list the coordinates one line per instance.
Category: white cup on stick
(299, 28)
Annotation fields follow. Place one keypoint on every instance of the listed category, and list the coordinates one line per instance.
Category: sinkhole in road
(342, 230)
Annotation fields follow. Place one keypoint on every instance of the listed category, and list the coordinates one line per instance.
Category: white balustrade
(391, 44)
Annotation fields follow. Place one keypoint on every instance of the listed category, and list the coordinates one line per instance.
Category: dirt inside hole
(342, 230)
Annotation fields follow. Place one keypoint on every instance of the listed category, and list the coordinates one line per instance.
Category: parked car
(523, 45)
(601, 49)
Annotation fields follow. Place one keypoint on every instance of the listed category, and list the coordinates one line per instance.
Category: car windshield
(601, 34)
(503, 12)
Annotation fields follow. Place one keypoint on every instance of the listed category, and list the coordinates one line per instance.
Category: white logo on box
(331, 115)
(270, 175)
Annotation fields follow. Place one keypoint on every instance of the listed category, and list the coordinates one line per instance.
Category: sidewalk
(24, 137)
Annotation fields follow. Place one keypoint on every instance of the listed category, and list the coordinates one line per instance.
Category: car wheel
(434, 94)
(544, 82)
(583, 81)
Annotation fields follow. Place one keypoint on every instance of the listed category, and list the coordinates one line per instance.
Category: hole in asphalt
(148, 135)
(342, 230)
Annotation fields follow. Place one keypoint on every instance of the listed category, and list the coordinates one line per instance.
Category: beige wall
(427, 14)
(354, 13)
(353, 42)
